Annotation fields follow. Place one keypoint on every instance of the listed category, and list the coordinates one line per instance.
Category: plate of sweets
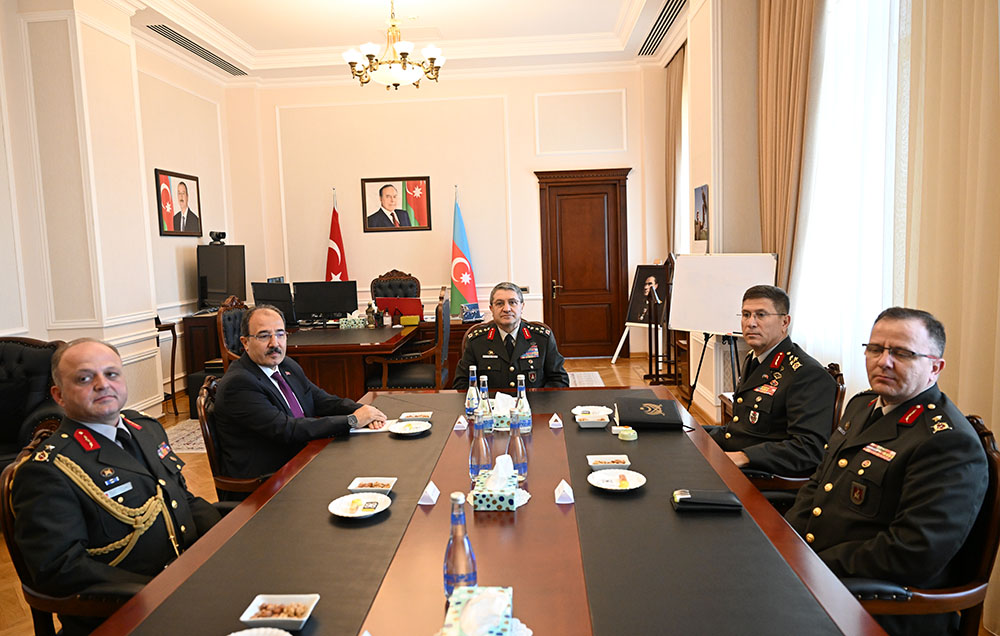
(359, 505)
(616, 480)
(408, 428)
(424, 416)
(372, 484)
(282, 611)
(592, 410)
(601, 462)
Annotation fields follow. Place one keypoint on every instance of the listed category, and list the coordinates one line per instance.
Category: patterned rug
(186, 437)
(585, 378)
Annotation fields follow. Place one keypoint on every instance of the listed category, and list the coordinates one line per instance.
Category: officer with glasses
(783, 404)
(904, 475)
(265, 407)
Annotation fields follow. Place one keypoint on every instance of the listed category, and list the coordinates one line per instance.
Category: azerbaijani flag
(463, 281)
(415, 202)
(166, 205)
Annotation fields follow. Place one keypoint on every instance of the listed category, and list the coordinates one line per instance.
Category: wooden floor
(15, 618)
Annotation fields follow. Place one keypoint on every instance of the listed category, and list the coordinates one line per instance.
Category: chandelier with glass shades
(395, 67)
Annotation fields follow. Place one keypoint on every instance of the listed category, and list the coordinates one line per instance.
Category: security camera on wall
(217, 238)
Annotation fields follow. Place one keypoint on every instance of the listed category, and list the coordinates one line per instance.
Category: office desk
(334, 358)
(612, 563)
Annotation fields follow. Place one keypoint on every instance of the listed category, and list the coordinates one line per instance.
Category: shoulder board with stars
(480, 330)
(537, 328)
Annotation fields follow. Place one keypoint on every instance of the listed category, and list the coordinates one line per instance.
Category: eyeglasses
(898, 353)
(758, 315)
(513, 302)
(265, 336)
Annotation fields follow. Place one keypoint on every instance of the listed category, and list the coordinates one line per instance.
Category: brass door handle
(554, 288)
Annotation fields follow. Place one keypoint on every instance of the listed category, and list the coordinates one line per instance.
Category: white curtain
(842, 265)
(682, 193)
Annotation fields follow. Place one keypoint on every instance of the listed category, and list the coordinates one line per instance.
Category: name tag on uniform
(532, 352)
(119, 490)
(487, 355)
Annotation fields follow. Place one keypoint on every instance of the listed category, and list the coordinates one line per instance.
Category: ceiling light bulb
(431, 51)
(404, 47)
(369, 48)
(440, 61)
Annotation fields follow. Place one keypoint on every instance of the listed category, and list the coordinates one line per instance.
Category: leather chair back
(228, 325)
(206, 420)
(395, 284)
(841, 392)
(25, 381)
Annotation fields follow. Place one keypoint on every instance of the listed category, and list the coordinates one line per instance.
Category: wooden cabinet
(201, 341)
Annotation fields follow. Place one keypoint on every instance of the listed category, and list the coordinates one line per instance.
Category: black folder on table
(705, 501)
(648, 413)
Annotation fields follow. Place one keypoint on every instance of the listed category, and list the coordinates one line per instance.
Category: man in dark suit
(388, 215)
(507, 346)
(103, 499)
(905, 474)
(185, 220)
(265, 407)
(783, 406)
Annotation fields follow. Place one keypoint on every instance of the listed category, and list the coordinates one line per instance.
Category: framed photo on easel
(647, 278)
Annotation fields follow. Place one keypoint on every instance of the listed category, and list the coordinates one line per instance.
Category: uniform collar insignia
(85, 439)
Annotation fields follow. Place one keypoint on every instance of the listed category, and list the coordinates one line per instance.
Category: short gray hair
(509, 287)
(66, 346)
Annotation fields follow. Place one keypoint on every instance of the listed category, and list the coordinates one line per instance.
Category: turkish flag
(166, 205)
(336, 260)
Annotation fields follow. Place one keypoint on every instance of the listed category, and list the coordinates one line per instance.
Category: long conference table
(610, 563)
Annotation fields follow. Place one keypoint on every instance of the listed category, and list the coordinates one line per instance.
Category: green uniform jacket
(535, 355)
(56, 522)
(782, 413)
(895, 500)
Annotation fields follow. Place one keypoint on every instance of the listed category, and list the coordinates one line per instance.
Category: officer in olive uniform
(508, 346)
(88, 510)
(904, 476)
(783, 406)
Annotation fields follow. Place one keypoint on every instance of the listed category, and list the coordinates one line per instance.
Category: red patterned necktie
(395, 221)
(286, 390)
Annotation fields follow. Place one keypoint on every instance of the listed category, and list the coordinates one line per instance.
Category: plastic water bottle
(516, 449)
(522, 410)
(472, 395)
(485, 410)
(459, 559)
(480, 455)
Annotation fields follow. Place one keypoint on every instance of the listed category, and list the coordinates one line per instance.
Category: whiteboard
(708, 289)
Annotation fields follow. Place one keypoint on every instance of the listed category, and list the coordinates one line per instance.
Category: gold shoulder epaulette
(478, 331)
(538, 328)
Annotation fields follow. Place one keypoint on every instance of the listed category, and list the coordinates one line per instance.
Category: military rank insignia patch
(940, 426)
(163, 450)
(858, 491)
(754, 416)
(911, 416)
(778, 359)
(107, 472)
(880, 451)
(532, 376)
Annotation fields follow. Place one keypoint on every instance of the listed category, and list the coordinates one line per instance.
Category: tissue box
(461, 596)
(503, 499)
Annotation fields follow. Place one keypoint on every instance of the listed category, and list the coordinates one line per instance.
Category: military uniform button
(809, 537)
(121, 500)
(173, 504)
(817, 511)
(512, 368)
(739, 400)
(932, 406)
(162, 483)
(183, 528)
(64, 435)
(866, 463)
(828, 486)
(512, 384)
(178, 466)
(826, 446)
(861, 471)
(728, 435)
(736, 418)
(759, 398)
(842, 463)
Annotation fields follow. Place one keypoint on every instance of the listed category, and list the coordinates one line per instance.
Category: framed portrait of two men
(391, 204)
(178, 203)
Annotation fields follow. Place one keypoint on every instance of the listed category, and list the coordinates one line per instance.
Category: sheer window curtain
(842, 266)
(674, 145)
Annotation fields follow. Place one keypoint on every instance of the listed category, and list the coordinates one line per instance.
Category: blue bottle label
(451, 581)
(458, 518)
(521, 467)
(475, 469)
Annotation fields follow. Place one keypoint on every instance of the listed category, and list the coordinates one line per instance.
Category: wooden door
(584, 258)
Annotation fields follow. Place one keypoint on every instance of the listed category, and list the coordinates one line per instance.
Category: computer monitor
(325, 301)
(277, 294)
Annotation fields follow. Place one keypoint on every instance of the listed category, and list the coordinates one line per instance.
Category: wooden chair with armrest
(98, 600)
(976, 556)
(206, 418)
(228, 321)
(780, 490)
(412, 370)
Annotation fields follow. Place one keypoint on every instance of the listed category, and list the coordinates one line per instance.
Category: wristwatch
(352, 420)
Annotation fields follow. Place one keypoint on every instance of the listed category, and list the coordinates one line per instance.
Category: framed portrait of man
(648, 279)
(178, 204)
(391, 204)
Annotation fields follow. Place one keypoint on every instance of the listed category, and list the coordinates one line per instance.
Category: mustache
(271, 350)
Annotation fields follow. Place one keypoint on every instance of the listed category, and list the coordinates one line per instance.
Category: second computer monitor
(278, 295)
(319, 300)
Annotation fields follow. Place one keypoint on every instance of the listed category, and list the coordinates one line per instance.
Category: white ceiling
(300, 38)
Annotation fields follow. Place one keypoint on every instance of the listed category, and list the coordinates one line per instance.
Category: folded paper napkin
(430, 495)
(555, 421)
(521, 497)
(503, 402)
(564, 493)
(461, 423)
(502, 470)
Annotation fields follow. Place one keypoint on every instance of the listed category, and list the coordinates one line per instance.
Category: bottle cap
(458, 498)
(520, 377)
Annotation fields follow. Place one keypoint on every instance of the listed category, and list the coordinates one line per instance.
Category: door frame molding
(608, 176)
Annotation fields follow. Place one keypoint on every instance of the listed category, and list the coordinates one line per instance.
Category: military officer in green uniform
(507, 346)
(904, 476)
(103, 499)
(783, 406)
